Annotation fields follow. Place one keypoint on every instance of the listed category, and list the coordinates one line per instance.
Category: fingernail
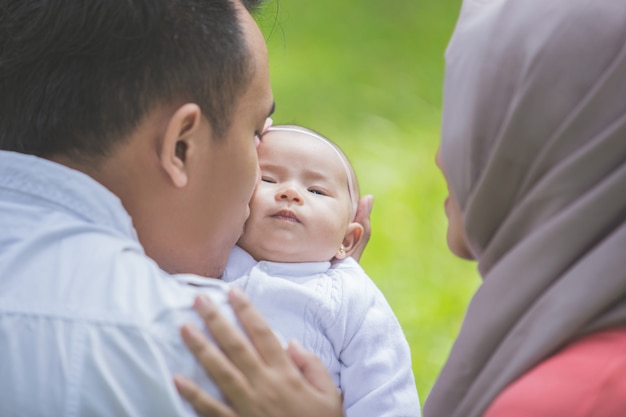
(371, 204)
(236, 296)
(182, 384)
(190, 332)
(203, 304)
(297, 346)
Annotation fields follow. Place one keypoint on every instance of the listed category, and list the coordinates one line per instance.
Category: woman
(534, 152)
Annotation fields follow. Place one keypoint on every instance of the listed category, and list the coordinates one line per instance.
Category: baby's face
(301, 209)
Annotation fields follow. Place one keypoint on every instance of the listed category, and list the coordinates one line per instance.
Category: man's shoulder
(94, 273)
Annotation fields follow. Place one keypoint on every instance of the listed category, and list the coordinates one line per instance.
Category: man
(111, 111)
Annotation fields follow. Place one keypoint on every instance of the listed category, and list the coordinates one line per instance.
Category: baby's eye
(316, 191)
(268, 179)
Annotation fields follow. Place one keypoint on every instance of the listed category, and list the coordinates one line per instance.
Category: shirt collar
(295, 269)
(43, 182)
(241, 262)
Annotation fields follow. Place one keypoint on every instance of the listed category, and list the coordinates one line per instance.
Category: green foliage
(368, 74)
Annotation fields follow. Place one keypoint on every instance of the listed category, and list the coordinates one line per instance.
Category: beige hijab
(534, 145)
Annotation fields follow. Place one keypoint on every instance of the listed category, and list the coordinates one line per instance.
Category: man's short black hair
(78, 75)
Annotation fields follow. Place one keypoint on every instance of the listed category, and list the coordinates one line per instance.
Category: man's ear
(353, 236)
(178, 143)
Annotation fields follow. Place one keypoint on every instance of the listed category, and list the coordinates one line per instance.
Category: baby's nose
(289, 193)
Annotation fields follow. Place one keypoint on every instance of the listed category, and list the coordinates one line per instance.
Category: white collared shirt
(89, 326)
(340, 315)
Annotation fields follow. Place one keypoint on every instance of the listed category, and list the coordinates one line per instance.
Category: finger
(202, 403)
(218, 367)
(231, 341)
(263, 338)
(363, 212)
(312, 369)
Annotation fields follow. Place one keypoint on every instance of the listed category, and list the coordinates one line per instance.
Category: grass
(368, 74)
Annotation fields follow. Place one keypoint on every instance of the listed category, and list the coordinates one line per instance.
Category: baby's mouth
(286, 215)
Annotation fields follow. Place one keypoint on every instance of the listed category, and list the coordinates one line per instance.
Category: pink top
(587, 378)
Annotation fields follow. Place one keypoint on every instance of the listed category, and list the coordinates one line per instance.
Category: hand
(363, 212)
(256, 375)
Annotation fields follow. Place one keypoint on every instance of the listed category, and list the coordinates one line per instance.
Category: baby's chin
(282, 255)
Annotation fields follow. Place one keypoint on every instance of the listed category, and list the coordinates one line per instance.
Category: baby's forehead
(301, 147)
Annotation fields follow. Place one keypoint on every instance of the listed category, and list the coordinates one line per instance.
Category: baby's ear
(353, 236)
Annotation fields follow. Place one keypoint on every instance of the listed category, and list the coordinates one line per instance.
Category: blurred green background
(368, 74)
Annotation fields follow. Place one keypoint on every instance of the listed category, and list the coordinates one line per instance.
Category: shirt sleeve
(587, 378)
(376, 373)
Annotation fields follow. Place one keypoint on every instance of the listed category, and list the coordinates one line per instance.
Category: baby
(293, 261)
